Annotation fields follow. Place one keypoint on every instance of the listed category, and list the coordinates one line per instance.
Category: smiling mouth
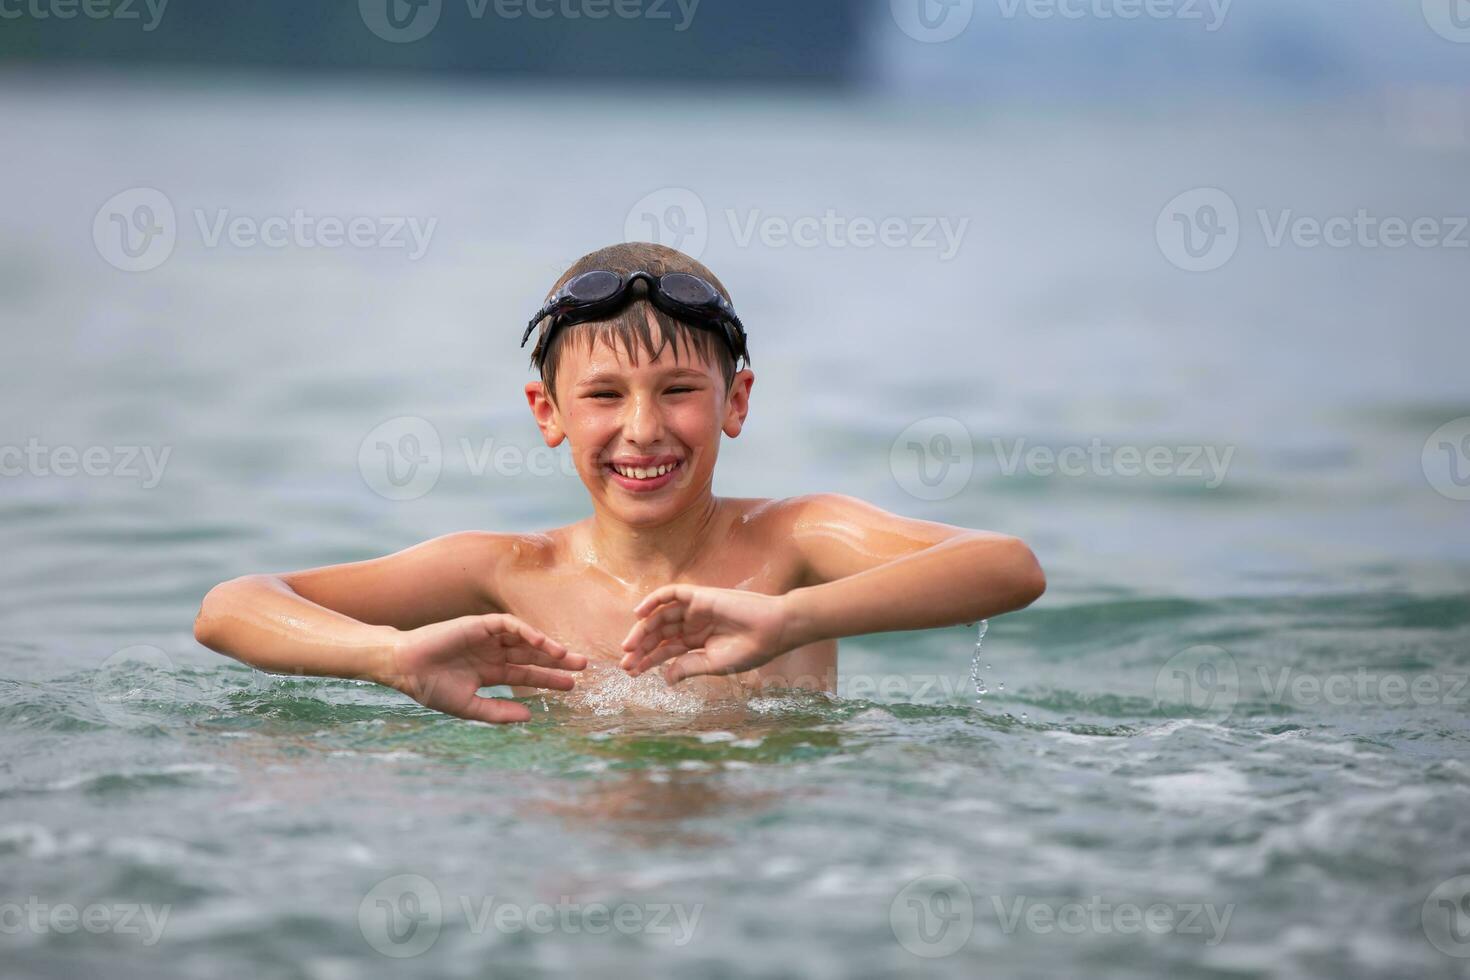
(648, 473)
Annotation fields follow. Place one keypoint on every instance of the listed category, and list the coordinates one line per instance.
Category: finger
(505, 625)
(551, 680)
(495, 711)
(526, 655)
(695, 663)
(667, 650)
(653, 624)
(666, 593)
(651, 641)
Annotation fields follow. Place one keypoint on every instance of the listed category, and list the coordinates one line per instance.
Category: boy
(639, 354)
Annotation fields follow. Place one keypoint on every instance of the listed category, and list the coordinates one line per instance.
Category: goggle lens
(593, 287)
(687, 289)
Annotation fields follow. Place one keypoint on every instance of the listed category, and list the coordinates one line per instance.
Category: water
(1204, 715)
(977, 677)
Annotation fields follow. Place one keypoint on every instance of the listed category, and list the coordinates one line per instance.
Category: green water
(1231, 739)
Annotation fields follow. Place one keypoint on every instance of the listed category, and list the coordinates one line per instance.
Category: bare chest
(590, 612)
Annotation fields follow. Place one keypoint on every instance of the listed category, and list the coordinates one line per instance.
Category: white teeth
(640, 473)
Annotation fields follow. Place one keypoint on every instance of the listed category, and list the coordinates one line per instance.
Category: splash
(977, 678)
(607, 690)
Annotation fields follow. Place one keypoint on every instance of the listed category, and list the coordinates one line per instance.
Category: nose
(643, 425)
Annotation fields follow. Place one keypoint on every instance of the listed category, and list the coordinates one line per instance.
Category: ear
(545, 413)
(737, 403)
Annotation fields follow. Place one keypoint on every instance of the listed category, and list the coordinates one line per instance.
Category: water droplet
(1023, 716)
(1001, 686)
(975, 679)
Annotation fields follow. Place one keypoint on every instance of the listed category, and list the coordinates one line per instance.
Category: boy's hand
(443, 665)
(704, 630)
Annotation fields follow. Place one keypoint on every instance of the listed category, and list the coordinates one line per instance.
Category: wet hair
(629, 328)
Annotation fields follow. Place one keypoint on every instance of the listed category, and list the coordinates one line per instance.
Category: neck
(643, 558)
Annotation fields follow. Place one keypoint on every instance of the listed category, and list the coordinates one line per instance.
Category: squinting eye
(671, 390)
(609, 394)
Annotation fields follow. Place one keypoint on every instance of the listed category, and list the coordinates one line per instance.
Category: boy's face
(646, 417)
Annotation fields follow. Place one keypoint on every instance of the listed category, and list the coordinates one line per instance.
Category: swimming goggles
(597, 294)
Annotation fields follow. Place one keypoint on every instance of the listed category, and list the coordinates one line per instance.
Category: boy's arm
(864, 571)
(422, 620)
(870, 571)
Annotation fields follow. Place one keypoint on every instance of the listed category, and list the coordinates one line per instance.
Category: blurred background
(1174, 289)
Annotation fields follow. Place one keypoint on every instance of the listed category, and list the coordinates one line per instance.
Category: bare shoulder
(822, 513)
(519, 551)
(479, 548)
(837, 534)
